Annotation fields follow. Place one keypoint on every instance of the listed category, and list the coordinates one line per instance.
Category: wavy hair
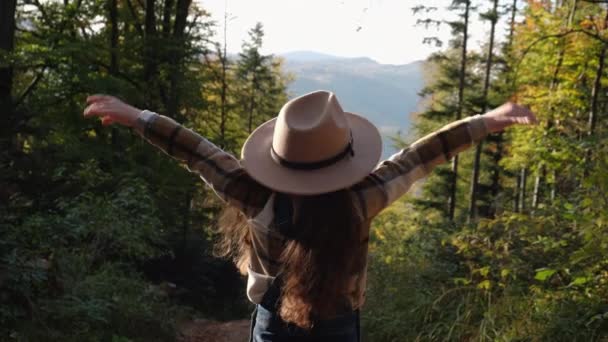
(317, 262)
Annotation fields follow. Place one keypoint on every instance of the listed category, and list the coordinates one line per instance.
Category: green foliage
(262, 90)
(102, 237)
(524, 273)
(510, 278)
(70, 271)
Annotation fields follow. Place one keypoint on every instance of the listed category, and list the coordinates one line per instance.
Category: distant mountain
(385, 94)
(307, 56)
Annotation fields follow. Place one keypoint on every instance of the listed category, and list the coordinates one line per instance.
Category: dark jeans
(267, 326)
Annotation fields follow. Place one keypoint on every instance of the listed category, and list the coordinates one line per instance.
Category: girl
(302, 196)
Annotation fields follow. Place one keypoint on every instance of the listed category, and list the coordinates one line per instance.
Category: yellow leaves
(26, 147)
(543, 274)
(538, 4)
(380, 234)
(600, 222)
(485, 285)
(587, 24)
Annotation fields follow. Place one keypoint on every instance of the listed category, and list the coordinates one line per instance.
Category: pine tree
(7, 42)
(453, 77)
(492, 17)
(459, 27)
(262, 87)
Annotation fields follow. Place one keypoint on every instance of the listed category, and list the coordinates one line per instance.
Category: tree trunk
(520, 187)
(150, 62)
(113, 24)
(168, 9)
(516, 195)
(542, 174)
(463, 66)
(176, 55)
(499, 139)
(512, 22)
(540, 177)
(495, 187)
(595, 92)
(135, 18)
(7, 119)
(223, 93)
(597, 85)
(254, 86)
(486, 88)
(181, 16)
(522, 193)
(224, 61)
(7, 43)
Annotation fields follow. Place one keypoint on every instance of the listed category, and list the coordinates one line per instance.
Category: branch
(120, 75)
(38, 77)
(135, 18)
(210, 64)
(40, 7)
(84, 33)
(559, 35)
(192, 24)
(30, 87)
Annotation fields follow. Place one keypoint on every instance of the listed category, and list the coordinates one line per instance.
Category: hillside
(385, 94)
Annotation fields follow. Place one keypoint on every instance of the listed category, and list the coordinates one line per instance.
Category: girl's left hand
(110, 109)
(507, 115)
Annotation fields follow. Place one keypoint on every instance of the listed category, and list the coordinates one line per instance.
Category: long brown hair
(318, 261)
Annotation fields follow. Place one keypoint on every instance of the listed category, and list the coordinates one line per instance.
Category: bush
(70, 273)
(513, 278)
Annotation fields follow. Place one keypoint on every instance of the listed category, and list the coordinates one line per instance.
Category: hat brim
(257, 161)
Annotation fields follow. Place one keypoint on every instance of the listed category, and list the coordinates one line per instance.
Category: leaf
(486, 285)
(388, 259)
(542, 274)
(580, 281)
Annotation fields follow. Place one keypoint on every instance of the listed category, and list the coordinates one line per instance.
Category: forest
(104, 238)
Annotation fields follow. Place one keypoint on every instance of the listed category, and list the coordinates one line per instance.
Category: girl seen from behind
(301, 198)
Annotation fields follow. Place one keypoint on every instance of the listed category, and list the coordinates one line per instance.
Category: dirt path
(202, 330)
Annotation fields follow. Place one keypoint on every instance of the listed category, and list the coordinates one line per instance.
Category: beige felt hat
(312, 147)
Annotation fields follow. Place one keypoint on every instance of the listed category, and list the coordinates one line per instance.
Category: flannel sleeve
(393, 177)
(220, 170)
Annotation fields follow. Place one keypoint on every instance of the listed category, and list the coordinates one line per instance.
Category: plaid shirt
(223, 173)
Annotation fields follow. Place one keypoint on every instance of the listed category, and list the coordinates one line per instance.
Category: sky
(383, 30)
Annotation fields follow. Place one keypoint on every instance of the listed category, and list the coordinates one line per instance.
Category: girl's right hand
(111, 110)
(507, 115)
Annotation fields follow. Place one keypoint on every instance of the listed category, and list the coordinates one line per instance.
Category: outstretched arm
(394, 176)
(220, 170)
